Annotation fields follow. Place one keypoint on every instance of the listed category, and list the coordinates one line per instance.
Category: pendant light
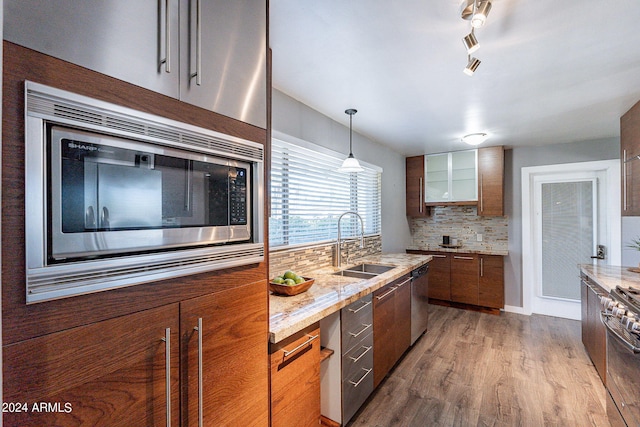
(350, 164)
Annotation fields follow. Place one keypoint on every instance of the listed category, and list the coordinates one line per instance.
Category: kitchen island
(330, 293)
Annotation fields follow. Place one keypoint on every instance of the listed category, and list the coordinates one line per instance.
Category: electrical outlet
(479, 237)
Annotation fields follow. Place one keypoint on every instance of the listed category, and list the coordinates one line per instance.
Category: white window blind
(308, 195)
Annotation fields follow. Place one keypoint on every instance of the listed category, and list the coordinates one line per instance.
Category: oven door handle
(631, 347)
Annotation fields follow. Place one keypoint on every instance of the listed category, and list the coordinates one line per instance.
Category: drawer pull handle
(366, 350)
(307, 342)
(404, 283)
(360, 308)
(367, 372)
(438, 256)
(355, 335)
(200, 373)
(464, 257)
(389, 292)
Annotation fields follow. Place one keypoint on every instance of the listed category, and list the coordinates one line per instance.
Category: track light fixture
(475, 11)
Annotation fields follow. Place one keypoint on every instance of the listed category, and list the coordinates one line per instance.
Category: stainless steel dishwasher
(419, 301)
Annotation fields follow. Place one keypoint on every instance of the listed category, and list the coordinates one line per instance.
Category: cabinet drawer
(358, 386)
(357, 322)
(360, 356)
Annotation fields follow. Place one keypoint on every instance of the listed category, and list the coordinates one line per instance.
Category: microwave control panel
(238, 196)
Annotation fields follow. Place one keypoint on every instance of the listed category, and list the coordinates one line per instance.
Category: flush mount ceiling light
(350, 164)
(475, 138)
(472, 66)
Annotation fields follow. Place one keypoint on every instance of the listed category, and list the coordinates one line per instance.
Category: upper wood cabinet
(491, 181)
(208, 53)
(415, 187)
(630, 163)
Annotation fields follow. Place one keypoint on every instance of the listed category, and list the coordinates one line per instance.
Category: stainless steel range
(621, 317)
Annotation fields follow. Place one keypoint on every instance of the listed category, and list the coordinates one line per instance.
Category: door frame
(611, 188)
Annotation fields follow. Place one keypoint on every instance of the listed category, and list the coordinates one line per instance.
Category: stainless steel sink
(364, 271)
(371, 268)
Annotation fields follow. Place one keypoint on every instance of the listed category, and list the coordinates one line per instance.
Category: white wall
(296, 119)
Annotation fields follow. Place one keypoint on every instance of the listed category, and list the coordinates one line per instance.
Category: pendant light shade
(350, 164)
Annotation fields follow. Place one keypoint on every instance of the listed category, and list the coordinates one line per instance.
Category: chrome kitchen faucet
(338, 260)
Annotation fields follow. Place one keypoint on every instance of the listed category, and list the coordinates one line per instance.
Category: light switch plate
(479, 237)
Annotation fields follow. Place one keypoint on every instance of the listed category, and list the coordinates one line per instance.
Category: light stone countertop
(463, 250)
(608, 276)
(329, 293)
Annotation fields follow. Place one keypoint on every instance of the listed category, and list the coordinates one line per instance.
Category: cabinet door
(464, 184)
(295, 380)
(491, 282)
(630, 164)
(437, 178)
(440, 276)
(464, 279)
(597, 335)
(415, 187)
(110, 373)
(384, 352)
(223, 55)
(402, 316)
(224, 366)
(491, 181)
(124, 39)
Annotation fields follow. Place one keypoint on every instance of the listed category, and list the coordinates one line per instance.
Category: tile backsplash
(308, 258)
(461, 223)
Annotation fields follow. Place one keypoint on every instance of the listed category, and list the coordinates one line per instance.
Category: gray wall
(294, 118)
(520, 157)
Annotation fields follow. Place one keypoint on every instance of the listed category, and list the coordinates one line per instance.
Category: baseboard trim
(516, 309)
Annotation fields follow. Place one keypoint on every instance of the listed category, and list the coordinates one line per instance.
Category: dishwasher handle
(420, 271)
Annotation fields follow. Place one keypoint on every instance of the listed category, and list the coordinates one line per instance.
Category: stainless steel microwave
(116, 197)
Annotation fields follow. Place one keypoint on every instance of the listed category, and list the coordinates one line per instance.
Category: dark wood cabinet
(415, 187)
(464, 278)
(491, 281)
(391, 326)
(594, 334)
(440, 276)
(491, 181)
(224, 357)
(118, 372)
(629, 162)
(295, 380)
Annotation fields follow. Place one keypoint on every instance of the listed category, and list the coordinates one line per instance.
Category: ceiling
(552, 71)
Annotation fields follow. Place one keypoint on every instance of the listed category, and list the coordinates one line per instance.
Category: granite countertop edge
(610, 276)
(461, 250)
(330, 293)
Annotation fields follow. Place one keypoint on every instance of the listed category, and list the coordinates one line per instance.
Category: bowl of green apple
(290, 284)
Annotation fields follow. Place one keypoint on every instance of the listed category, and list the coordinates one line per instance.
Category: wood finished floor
(475, 369)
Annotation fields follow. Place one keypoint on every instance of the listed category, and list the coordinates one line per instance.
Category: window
(308, 195)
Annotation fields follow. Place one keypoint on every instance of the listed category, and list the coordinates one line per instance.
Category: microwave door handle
(104, 218)
(90, 218)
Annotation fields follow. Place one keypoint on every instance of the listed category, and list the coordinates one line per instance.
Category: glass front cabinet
(451, 177)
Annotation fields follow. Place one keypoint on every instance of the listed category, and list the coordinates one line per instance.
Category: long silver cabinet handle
(307, 342)
(366, 350)
(624, 179)
(356, 334)
(463, 257)
(404, 283)
(420, 196)
(167, 367)
(389, 292)
(481, 196)
(481, 267)
(167, 41)
(198, 73)
(360, 308)
(367, 372)
(200, 371)
(439, 256)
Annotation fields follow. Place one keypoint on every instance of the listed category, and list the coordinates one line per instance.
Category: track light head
(472, 66)
(470, 43)
(480, 16)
